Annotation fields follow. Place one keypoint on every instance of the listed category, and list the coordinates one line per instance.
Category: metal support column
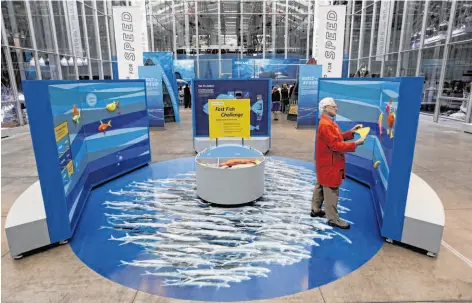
(274, 28)
(387, 40)
(347, 30)
(151, 25)
(264, 29)
(33, 40)
(308, 32)
(286, 28)
(372, 36)
(402, 37)
(111, 29)
(444, 61)
(197, 40)
(97, 40)
(110, 66)
(54, 40)
(11, 75)
(219, 38)
(174, 31)
(360, 51)
(423, 30)
(350, 39)
(241, 28)
(87, 47)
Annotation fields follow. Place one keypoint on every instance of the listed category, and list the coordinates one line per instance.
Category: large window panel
(356, 31)
(390, 65)
(48, 66)
(277, 21)
(396, 27)
(414, 20)
(462, 29)
(102, 28)
(431, 70)
(42, 25)
(16, 23)
(92, 35)
(376, 26)
(297, 38)
(437, 23)
(408, 63)
(163, 34)
(367, 30)
(63, 41)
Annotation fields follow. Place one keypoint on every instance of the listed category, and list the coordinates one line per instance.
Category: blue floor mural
(148, 230)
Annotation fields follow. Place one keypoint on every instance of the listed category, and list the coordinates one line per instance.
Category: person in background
(285, 96)
(181, 96)
(275, 102)
(330, 163)
(187, 97)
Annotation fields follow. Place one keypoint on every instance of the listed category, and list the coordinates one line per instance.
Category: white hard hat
(328, 101)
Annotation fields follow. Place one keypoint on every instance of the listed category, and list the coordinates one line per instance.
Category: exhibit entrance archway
(149, 231)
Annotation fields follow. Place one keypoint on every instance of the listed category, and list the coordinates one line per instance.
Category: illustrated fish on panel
(104, 126)
(75, 114)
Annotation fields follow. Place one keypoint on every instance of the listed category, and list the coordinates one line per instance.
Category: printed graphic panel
(155, 105)
(184, 71)
(308, 95)
(255, 90)
(281, 71)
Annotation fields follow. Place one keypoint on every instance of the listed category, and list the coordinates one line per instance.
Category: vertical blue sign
(155, 105)
(308, 95)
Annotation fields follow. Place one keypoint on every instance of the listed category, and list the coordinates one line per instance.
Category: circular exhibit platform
(149, 231)
(230, 174)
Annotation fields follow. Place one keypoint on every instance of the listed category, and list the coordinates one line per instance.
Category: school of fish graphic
(187, 242)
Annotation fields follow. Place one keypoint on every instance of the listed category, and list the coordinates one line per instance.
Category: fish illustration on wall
(391, 122)
(111, 107)
(104, 126)
(380, 122)
(75, 114)
(186, 242)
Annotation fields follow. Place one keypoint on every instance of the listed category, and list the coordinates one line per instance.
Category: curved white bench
(424, 217)
(26, 227)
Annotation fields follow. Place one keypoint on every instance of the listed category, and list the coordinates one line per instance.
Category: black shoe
(339, 223)
(320, 213)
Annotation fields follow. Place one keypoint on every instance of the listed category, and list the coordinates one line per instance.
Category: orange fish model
(391, 122)
(103, 126)
(233, 162)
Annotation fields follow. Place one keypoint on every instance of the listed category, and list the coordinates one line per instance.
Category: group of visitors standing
(280, 99)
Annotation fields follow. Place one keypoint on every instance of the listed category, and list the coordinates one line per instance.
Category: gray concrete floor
(443, 157)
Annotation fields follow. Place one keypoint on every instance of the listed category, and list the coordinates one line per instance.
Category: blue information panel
(166, 61)
(84, 133)
(281, 71)
(153, 77)
(390, 108)
(257, 90)
(308, 95)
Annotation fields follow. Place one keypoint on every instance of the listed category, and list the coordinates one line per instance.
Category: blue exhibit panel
(390, 107)
(184, 71)
(281, 71)
(155, 105)
(161, 239)
(308, 95)
(83, 123)
(257, 90)
(166, 61)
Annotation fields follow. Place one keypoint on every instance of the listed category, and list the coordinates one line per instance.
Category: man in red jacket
(330, 163)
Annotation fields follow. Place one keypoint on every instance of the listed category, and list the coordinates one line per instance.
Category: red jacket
(329, 154)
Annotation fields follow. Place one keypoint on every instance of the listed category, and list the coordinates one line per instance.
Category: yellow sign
(70, 168)
(363, 132)
(61, 131)
(293, 110)
(229, 118)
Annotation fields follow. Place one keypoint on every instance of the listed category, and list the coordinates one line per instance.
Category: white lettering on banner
(382, 32)
(128, 43)
(74, 27)
(330, 39)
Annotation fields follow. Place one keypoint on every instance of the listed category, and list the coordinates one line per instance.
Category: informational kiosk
(407, 209)
(84, 133)
(256, 90)
(229, 174)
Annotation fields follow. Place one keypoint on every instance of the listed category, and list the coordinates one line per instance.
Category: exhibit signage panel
(229, 118)
(155, 106)
(165, 60)
(128, 31)
(308, 95)
(84, 133)
(256, 90)
(330, 39)
(281, 71)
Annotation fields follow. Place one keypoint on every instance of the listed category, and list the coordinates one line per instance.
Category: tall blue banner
(155, 106)
(308, 95)
(166, 61)
(257, 90)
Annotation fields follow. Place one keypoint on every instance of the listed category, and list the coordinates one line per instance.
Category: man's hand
(360, 141)
(358, 126)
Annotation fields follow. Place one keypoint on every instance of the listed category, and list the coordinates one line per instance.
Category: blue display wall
(257, 90)
(281, 71)
(165, 60)
(390, 107)
(84, 133)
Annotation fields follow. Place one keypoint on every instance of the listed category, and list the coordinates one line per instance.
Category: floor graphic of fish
(111, 107)
(104, 126)
(186, 242)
